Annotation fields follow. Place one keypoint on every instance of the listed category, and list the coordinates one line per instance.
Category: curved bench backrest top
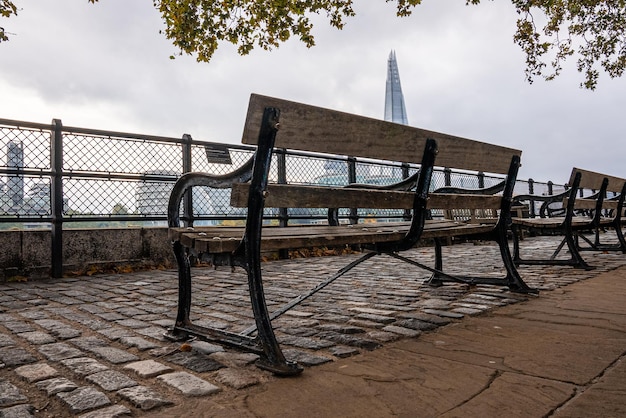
(315, 129)
(593, 181)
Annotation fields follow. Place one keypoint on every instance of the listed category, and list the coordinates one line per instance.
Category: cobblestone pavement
(94, 346)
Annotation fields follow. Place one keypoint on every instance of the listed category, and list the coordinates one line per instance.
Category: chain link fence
(59, 177)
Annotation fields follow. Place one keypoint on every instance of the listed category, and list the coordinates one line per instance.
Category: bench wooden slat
(592, 180)
(297, 196)
(216, 240)
(301, 129)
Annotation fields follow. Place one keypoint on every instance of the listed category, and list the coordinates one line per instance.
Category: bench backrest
(315, 129)
(593, 181)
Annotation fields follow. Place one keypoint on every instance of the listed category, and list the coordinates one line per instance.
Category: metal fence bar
(56, 200)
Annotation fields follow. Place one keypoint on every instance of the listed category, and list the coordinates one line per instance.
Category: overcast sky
(105, 66)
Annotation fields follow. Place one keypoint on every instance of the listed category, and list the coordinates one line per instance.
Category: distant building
(15, 183)
(153, 196)
(395, 111)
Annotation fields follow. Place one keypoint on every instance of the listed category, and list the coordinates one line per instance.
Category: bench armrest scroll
(189, 180)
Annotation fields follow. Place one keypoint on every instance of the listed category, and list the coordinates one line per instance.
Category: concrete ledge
(27, 253)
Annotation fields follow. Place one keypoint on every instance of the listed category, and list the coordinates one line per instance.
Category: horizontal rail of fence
(57, 177)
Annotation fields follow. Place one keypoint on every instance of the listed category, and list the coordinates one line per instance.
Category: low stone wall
(26, 253)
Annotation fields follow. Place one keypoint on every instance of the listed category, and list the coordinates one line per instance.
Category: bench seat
(218, 239)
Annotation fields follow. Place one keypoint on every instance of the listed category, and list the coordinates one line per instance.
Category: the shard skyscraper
(395, 110)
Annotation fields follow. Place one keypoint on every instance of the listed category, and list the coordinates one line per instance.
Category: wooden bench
(313, 129)
(574, 217)
(611, 215)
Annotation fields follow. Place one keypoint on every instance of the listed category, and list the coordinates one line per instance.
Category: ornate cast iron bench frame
(314, 129)
(578, 215)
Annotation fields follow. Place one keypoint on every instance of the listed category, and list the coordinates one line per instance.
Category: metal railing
(62, 177)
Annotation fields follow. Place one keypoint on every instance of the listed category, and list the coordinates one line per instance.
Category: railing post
(447, 177)
(281, 161)
(354, 214)
(531, 191)
(481, 180)
(550, 188)
(405, 174)
(187, 167)
(56, 198)
(283, 213)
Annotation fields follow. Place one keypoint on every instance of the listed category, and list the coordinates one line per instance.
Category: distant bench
(273, 123)
(574, 217)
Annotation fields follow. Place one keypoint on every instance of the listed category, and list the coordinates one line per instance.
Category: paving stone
(37, 337)
(435, 319)
(194, 361)
(189, 384)
(235, 378)
(130, 312)
(88, 343)
(34, 314)
(6, 340)
(36, 372)
(141, 343)
(153, 332)
(402, 331)
(15, 356)
(115, 333)
(305, 358)
(343, 352)
(148, 368)
(111, 380)
(112, 411)
(143, 397)
(133, 323)
(445, 314)
(94, 324)
(18, 327)
(84, 399)
(18, 411)
(467, 311)
(10, 395)
(110, 316)
(304, 342)
(351, 340)
(343, 329)
(114, 355)
(383, 319)
(416, 324)
(383, 336)
(58, 329)
(206, 347)
(59, 351)
(56, 385)
(372, 311)
(84, 366)
(235, 359)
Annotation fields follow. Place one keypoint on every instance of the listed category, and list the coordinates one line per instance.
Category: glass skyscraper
(395, 110)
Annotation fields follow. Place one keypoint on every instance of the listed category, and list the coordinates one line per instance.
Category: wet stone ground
(94, 346)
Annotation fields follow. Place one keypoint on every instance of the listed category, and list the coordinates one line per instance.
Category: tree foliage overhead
(593, 30)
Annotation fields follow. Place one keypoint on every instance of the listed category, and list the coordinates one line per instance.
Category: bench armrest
(544, 210)
(404, 185)
(189, 180)
(497, 188)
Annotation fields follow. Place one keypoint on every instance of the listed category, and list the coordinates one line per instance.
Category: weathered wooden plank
(316, 129)
(593, 180)
(204, 239)
(297, 196)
